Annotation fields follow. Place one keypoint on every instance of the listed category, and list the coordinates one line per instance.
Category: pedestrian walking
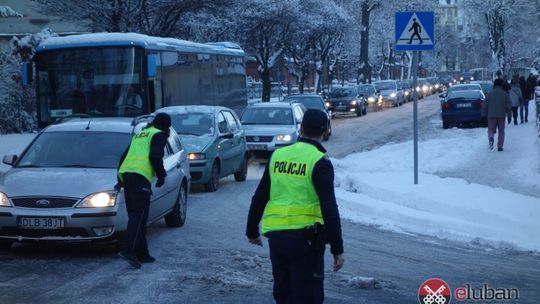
(515, 97)
(531, 86)
(295, 199)
(524, 105)
(496, 107)
(140, 163)
(500, 75)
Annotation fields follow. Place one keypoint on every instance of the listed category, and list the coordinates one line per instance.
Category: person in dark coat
(524, 105)
(497, 105)
(531, 85)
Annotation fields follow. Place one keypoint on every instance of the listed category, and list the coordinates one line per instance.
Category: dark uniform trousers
(137, 191)
(298, 268)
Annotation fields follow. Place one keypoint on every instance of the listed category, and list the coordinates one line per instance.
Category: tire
(364, 111)
(213, 183)
(5, 244)
(359, 113)
(445, 124)
(241, 175)
(177, 216)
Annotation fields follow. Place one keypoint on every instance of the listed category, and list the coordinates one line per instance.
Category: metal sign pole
(415, 115)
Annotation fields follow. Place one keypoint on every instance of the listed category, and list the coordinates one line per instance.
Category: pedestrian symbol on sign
(417, 28)
(415, 31)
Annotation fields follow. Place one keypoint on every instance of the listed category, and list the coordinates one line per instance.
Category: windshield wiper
(75, 166)
(189, 133)
(28, 166)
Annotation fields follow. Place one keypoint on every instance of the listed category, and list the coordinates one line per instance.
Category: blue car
(463, 107)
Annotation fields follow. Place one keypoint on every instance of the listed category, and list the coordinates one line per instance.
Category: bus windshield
(100, 81)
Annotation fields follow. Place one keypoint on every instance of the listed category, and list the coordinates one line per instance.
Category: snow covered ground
(376, 187)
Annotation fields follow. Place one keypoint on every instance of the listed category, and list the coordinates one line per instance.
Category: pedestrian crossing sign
(415, 31)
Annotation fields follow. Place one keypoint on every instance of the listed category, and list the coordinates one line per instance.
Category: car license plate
(40, 222)
(341, 108)
(256, 147)
(464, 105)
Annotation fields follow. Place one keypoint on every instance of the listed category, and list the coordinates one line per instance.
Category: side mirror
(151, 61)
(227, 135)
(9, 159)
(26, 73)
(442, 95)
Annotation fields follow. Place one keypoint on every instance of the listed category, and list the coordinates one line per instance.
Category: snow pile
(6, 11)
(376, 188)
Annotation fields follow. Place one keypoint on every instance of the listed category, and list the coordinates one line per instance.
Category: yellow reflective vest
(293, 203)
(138, 157)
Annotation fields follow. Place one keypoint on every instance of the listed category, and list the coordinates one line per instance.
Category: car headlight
(353, 102)
(417, 89)
(406, 93)
(327, 105)
(99, 200)
(196, 156)
(460, 78)
(286, 137)
(371, 99)
(436, 86)
(4, 200)
(393, 95)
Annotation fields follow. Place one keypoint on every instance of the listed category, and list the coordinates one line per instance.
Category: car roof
(465, 85)
(302, 95)
(271, 105)
(191, 109)
(102, 124)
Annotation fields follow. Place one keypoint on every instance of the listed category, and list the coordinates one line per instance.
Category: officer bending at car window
(142, 160)
(295, 199)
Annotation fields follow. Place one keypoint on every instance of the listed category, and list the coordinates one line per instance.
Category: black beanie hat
(315, 121)
(162, 121)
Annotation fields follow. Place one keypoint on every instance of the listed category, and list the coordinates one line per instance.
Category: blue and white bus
(128, 74)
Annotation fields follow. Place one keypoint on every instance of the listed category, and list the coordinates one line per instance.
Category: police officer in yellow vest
(296, 202)
(142, 160)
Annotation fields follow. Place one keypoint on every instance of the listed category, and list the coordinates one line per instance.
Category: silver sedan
(61, 187)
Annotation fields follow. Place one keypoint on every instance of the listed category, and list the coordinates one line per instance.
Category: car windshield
(464, 87)
(385, 85)
(342, 92)
(310, 102)
(365, 89)
(465, 95)
(197, 124)
(76, 149)
(267, 116)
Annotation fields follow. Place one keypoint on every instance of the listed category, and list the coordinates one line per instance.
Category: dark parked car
(463, 107)
(346, 99)
(312, 101)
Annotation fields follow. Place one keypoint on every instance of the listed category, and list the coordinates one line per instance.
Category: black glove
(118, 185)
(160, 182)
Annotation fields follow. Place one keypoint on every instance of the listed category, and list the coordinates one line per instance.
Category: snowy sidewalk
(491, 197)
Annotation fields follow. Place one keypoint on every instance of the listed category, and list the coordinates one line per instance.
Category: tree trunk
(266, 84)
(364, 72)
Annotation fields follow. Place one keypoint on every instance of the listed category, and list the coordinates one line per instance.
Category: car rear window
(465, 95)
(76, 149)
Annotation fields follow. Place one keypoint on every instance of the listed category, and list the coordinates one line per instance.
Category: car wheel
(241, 175)
(177, 216)
(5, 244)
(364, 111)
(213, 183)
(445, 124)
